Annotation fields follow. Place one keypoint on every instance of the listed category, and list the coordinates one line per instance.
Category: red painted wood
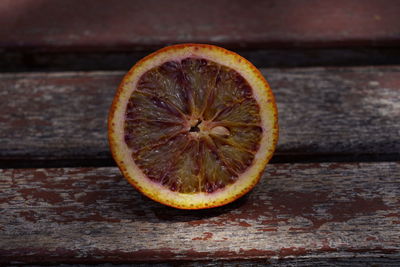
(138, 25)
(305, 211)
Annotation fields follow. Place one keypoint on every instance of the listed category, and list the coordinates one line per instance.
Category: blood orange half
(193, 126)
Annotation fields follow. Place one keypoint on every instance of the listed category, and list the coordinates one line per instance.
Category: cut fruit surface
(192, 126)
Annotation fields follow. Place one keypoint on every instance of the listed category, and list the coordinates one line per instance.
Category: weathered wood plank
(307, 211)
(288, 262)
(136, 25)
(349, 112)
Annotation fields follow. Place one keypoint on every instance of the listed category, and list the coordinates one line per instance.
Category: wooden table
(330, 197)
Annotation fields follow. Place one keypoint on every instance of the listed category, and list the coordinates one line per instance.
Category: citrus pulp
(192, 126)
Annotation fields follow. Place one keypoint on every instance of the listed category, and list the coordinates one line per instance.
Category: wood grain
(88, 25)
(347, 112)
(332, 262)
(307, 211)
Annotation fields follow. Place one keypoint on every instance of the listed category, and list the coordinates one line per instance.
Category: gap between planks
(33, 61)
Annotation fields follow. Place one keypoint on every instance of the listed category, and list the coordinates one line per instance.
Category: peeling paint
(92, 215)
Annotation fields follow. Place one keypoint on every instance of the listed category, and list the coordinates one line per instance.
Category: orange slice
(192, 126)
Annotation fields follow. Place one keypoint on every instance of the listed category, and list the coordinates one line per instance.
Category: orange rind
(214, 162)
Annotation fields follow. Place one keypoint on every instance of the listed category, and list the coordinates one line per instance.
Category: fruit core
(192, 125)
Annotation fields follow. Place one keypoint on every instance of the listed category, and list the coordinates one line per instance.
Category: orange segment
(200, 78)
(193, 126)
(166, 84)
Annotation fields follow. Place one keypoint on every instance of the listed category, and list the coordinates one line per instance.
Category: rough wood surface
(307, 211)
(137, 25)
(322, 111)
(387, 261)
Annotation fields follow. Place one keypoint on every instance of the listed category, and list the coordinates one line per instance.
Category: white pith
(246, 180)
